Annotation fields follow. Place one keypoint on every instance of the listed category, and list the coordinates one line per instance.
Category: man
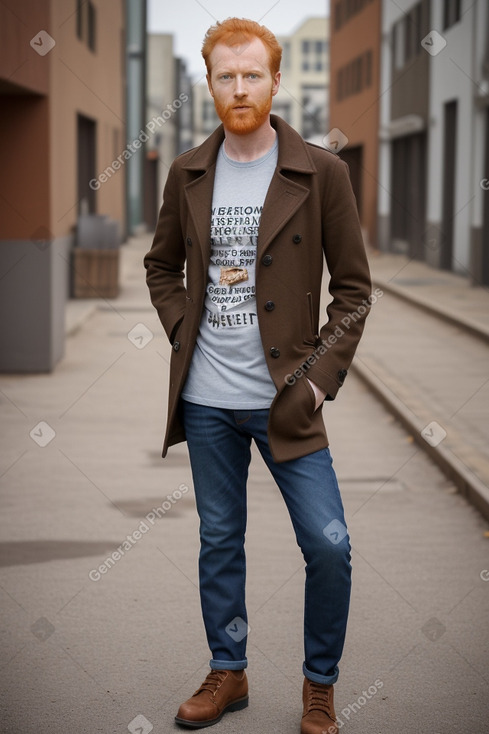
(251, 214)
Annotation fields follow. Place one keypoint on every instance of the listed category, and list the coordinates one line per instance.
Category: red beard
(243, 122)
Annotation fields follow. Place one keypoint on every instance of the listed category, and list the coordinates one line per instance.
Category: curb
(476, 330)
(473, 489)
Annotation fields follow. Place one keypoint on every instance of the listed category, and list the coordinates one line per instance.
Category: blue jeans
(219, 443)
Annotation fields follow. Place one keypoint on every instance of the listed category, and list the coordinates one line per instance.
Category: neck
(244, 148)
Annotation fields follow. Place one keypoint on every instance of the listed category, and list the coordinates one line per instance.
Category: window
(283, 110)
(451, 13)
(79, 19)
(86, 22)
(368, 69)
(355, 76)
(346, 9)
(314, 105)
(314, 55)
(399, 44)
(92, 17)
(406, 36)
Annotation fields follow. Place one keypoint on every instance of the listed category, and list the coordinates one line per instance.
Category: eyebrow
(226, 70)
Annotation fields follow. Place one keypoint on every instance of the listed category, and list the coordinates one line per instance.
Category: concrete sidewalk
(425, 353)
(447, 295)
(101, 620)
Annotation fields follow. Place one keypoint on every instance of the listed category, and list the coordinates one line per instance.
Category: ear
(276, 83)
(209, 85)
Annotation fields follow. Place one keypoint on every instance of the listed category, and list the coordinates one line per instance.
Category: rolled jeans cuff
(323, 679)
(228, 664)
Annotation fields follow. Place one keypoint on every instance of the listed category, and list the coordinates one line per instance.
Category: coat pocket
(309, 328)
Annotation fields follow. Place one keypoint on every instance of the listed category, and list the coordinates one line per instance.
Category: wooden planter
(95, 273)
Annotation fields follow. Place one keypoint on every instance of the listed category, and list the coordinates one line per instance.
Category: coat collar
(293, 153)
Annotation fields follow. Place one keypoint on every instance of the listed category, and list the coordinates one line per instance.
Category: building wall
(454, 75)
(302, 99)
(78, 86)
(354, 95)
(414, 104)
(19, 65)
(47, 77)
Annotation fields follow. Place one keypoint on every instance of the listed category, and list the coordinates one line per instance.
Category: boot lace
(213, 682)
(318, 699)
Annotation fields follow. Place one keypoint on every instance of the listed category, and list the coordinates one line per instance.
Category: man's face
(242, 85)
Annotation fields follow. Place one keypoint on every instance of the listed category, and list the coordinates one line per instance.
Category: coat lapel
(198, 192)
(284, 196)
(283, 199)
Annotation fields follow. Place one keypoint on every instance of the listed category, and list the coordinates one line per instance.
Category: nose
(239, 87)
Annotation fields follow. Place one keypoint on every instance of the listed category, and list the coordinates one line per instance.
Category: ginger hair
(235, 32)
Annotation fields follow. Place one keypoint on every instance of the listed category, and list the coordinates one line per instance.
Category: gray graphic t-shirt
(228, 368)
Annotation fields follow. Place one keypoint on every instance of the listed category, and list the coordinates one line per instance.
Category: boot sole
(238, 705)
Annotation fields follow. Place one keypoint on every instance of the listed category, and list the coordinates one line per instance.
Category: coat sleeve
(165, 261)
(349, 285)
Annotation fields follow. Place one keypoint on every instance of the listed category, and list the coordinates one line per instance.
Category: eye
(252, 75)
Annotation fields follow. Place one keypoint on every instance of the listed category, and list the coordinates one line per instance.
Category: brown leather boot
(222, 691)
(319, 716)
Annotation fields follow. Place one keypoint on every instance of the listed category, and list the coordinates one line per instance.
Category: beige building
(62, 96)
(302, 100)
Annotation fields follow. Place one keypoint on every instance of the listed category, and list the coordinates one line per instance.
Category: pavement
(101, 626)
(425, 355)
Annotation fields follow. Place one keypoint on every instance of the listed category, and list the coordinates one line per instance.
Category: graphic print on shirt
(231, 287)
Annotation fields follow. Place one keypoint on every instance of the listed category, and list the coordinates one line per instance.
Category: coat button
(275, 352)
(189, 241)
(267, 260)
(176, 346)
(341, 375)
(297, 239)
(269, 306)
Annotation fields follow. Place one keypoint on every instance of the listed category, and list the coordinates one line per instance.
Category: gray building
(434, 133)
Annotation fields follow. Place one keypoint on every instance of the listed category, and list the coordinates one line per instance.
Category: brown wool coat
(309, 211)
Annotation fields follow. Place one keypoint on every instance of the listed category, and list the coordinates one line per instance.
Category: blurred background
(99, 97)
